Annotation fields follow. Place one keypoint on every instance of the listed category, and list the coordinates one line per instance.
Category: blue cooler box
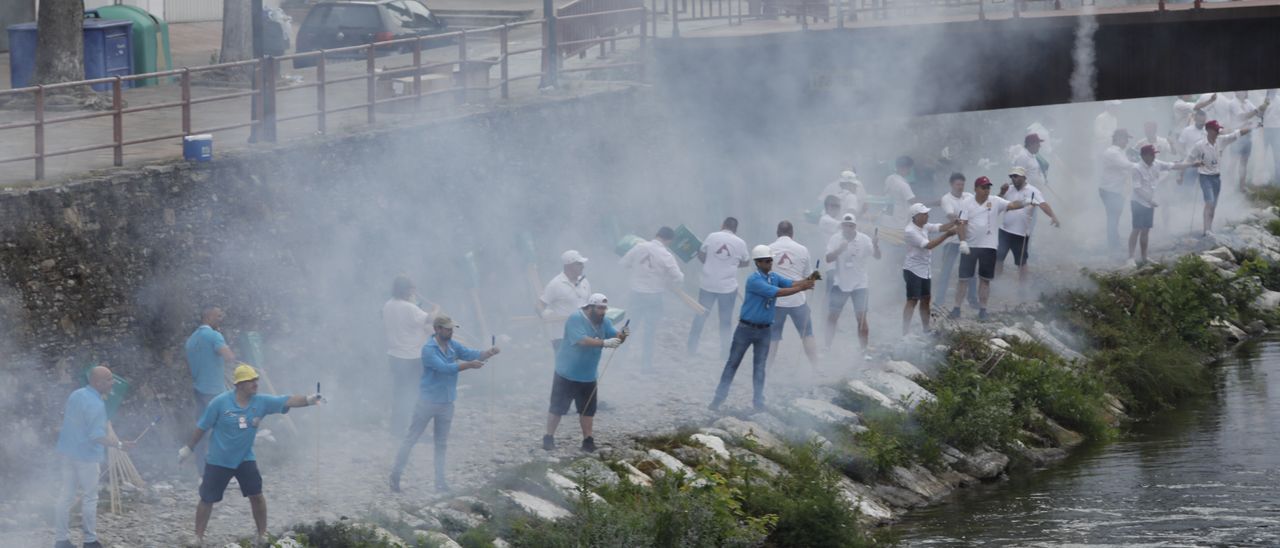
(197, 148)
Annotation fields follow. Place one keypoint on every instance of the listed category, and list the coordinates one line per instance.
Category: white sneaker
(1130, 264)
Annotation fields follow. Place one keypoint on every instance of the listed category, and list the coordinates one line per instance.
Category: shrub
(809, 507)
(970, 408)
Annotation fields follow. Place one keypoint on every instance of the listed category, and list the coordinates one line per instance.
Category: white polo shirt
(564, 297)
(1188, 137)
(1208, 153)
(1146, 178)
(406, 327)
(1026, 160)
(1022, 221)
(951, 208)
(791, 261)
(851, 265)
(828, 225)
(984, 220)
(725, 252)
(1114, 169)
(652, 267)
(899, 191)
(917, 260)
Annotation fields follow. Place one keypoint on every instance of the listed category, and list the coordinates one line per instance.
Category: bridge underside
(916, 69)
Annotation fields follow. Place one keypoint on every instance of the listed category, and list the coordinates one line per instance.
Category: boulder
(862, 499)
(750, 430)
(1061, 436)
(592, 471)
(1057, 346)
(536, 506)
(635, 476)
(1267, 301)
(1010, 333)
(762, 464)
(1232, 333)
(983, 464)
(863, 389)
(898, 497)
(712, 443)
(437, 539)
(919, 480)
(1256, 328)
(669, 462)
(1222, 253)
(956, 480)
(903, 368)
(570, 489)
(823, 412)
(998, 344)
(898, 388)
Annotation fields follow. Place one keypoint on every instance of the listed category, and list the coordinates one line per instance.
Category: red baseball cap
(981, 181)
(1214, 125)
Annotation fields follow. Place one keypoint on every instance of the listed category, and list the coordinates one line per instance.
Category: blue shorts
(799, 315)
(217, 477)
(1210, 187)
(837, 298)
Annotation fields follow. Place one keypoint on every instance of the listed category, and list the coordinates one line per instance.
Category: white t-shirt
(1241, 113)
(791, 261)
(1104, 126)
(1188, 137)
(1271, 118)
(1209, 153)
(1163, 147)
(1115, 169)
(1146, 178)
(1182, 111)
(984, 220)
(951, 204)
(725, 252)
(917, 260)
(1026, 160)
(1022, 221)
(851, 264)
(849, 200)
(652, 267)
(828, 225)
(406, 327)
(563, 298)
(899, 191)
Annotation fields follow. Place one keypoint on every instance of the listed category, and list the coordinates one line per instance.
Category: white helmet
(761, 252)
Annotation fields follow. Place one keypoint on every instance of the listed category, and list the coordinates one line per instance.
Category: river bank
(833, 464)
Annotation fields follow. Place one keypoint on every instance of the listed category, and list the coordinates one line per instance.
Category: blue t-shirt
(440, 369)
(84, 421)
(232, 428)
(205, 362)
(762, 291)
(576, 362)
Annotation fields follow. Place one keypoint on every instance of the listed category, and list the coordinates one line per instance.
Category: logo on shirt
(724, 248)
(784, 259)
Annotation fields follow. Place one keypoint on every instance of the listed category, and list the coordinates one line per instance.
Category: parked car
(340, 24)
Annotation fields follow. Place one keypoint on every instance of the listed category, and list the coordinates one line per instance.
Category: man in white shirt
(1187, 139)
(899, 192)
(1015, 229)
(1168, 179)
(407, 327)
(1028, 160)
(1114, 170)
(849, 190)
(1148, 175)
(566, 293)
(722, 254)
(1244, 115)
(653, 268)
(950, 204)
(1104, 126)
(850, 252)
(1271, 131)
(1185, 105)
(979, 224)
(1206, 155)
(917, 266)
(791, 261)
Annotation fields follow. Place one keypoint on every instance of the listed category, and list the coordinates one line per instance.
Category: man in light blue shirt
(439, 388)
(586, 334)
(82, 444)
(754, 325)
(232, 419)
(209, 357)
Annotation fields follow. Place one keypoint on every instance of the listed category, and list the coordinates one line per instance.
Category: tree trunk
(237, 31)
(60, 42)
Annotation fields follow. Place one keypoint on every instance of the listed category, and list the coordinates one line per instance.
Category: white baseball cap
(848, 177)
(597, 299)
(918, 208)
(848, 219)
(1019, 171)
(761, 252)
(572, 256)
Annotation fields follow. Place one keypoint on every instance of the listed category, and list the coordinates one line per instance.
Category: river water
(1205, 474)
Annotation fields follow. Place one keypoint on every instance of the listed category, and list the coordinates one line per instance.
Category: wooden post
(322, 110)
(117, 122)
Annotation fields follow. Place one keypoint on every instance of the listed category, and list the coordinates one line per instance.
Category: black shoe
(982, 314)
(589, 444)
(548, 443)
(955, 313)
(94, 544)
(395, 483)
(63, 544)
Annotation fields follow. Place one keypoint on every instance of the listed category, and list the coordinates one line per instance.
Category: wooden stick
(689, 301)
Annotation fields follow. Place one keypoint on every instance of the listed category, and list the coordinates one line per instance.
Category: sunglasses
(764, 260)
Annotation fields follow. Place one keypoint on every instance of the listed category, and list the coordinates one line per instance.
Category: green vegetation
(349, 535)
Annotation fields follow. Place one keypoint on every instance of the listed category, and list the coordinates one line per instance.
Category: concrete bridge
(926, 64)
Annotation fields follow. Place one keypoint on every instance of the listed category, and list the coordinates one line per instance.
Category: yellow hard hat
(245, 372)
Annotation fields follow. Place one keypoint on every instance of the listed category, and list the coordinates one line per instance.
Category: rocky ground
(336, 466)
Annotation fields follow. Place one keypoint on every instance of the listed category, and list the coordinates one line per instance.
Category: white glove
(315, 399)
(183, 453)
(964, 248)
(612, 343)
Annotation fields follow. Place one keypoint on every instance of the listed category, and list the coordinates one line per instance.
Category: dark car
(351, 23)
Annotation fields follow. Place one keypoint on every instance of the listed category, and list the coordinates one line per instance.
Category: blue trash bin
(107, 52)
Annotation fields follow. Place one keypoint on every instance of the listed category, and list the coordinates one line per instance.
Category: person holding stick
(755, 323)
(851, 253)
(232, 420)
(82, 444)
(653, 268)
(442, 359)
(916, 267)
(209, 358)
(1016, 226)
(1205, 155)
(566, 292)
(1147, 175)
(407, 327)
(586, 334)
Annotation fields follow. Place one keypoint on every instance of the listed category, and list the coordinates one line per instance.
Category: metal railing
(407, 80)
(582, 22)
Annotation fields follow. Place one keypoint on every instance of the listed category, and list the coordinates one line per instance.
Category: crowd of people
(978, 228)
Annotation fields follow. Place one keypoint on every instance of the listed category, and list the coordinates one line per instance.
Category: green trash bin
(119, 389)
(149, 38)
